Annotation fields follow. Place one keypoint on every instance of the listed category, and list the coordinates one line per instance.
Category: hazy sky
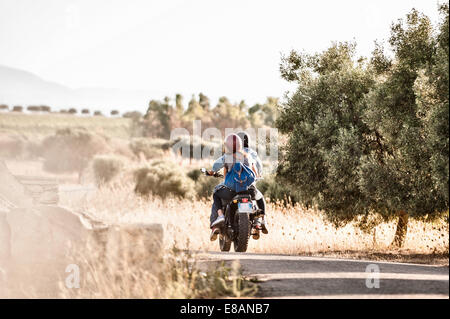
(229, 48)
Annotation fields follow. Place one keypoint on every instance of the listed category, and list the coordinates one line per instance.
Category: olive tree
(407, 173)
(371, 137)
(324, 122)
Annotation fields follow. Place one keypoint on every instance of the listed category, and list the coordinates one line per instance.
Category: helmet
(245, 138)
(233, 143)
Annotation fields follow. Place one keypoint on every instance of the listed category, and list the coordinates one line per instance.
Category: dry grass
(106, 167)
(31, 125)
(293, 230)
(175, 273)
(136, 273)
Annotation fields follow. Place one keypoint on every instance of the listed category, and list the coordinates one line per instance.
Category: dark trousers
(262, 204)
(221, 196)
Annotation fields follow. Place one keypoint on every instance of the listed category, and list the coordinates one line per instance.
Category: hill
(19, 87)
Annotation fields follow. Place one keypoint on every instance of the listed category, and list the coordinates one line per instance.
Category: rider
(233, 154)
(259, 196)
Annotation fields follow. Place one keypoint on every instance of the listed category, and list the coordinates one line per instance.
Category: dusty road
(282, 276)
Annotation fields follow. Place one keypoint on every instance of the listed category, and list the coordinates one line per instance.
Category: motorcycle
(241, 220)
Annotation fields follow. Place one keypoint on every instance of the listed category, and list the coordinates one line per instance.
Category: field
(293, 229)
(30, 125)
(109, 178)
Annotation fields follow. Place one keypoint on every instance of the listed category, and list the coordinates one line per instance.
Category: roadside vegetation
(173, 273)
(363, 171)
(294, 229)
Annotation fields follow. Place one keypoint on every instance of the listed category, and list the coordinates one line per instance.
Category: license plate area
(245, 207)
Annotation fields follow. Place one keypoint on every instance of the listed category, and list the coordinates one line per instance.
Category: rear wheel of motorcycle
(241, 242)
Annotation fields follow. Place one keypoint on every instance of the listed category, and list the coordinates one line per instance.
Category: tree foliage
(326, 131)
(70, 150)
(371, 136)
(162, 116)
(398, 175)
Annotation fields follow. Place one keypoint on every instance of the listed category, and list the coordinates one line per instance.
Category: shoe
(219, 220)
(215, 231)
(257, 224)
(255, 234)
(264, 227)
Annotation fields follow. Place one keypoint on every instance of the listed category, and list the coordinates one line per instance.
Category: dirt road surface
(282, 276)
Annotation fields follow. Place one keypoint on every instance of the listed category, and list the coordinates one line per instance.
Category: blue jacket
(227, 160)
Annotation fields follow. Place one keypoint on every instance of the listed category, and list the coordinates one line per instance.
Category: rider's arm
(219, 164)
(259, 166)
(258, 162)
(255, 170)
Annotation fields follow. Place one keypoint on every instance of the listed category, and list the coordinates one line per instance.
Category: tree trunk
(402, 228)
(374, 238)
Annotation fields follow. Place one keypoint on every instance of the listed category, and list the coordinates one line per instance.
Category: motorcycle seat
(250, 192)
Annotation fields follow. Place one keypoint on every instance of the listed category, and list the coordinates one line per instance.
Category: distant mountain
(21, 87)
(18, 87)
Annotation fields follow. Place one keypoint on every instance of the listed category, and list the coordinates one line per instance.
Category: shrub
(147, 147)
(106, 168)
(4, 107)
(204, 186)
(33, 149)
(163, 179)
(72, 111)
(69, 150)
(184, 143)
(274, 189)
(44, 108)
(120, 147)
(11, 146)
(134, 115)
(17, 108)
(161, 143)
(85, 111)
(98, 113)
(17, 146)
(194, 174)
(114, 112)
(33, 108)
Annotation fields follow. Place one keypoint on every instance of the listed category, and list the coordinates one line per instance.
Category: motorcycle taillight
(245, 200)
